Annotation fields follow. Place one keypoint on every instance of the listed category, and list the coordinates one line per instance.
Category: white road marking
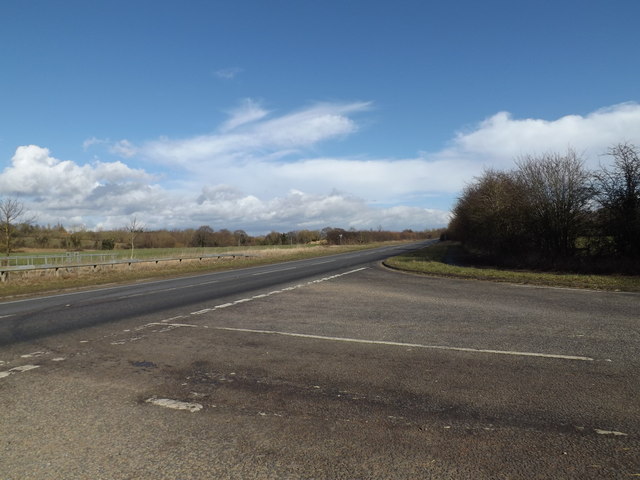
(274, 271)
(411, 345)
(274, 292)
(31, 355)
(164, 290)
(6, 316)
(133, 295)
(172, 318)
(163, 324)
(175, 404)
(610, 432)
(20, 369)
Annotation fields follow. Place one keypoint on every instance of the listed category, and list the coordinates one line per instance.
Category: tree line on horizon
(19, 232)
(552, 212)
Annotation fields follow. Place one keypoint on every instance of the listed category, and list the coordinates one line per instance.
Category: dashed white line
(410, 345)
(224, 305)
(274, 292)
(163, 324)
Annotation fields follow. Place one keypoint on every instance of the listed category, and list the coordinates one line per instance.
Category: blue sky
(262, 115)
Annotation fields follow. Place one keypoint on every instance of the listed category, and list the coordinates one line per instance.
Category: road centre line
(164, 324)
(273, 271)
(154, 292)
(410, 345)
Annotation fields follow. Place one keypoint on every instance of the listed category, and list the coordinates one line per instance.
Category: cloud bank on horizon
(258, 172)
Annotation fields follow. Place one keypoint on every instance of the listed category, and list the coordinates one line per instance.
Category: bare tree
(557, 191)
(488, 216)
(134, 228)
(12, 212)
(617, 190)
(203, 237)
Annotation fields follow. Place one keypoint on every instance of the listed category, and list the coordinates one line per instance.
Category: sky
(284, 115)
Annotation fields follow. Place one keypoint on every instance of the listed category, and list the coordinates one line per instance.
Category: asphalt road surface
(356, 372)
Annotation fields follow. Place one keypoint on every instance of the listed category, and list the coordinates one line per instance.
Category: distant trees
(203, 237)
(549, 207)
(135, 235)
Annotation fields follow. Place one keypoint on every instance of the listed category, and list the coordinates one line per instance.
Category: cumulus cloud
(257, 171)
(296, 210)
(500, 138)
(55, 187)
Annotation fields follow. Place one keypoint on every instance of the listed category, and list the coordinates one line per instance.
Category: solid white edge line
(413, 345)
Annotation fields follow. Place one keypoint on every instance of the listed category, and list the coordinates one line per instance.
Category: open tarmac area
(363, 374)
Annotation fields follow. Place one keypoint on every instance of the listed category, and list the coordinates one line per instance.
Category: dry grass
(32, 282)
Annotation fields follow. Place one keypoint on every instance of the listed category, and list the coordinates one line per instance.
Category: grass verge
(446, 259)
(38, 282)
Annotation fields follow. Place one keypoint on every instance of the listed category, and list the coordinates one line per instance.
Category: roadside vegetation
(450, 259)
(549, 221)
(551, 214)
(173, 263)
(124, 254)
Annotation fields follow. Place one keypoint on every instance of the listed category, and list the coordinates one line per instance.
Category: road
(31, 318)
(358, 372)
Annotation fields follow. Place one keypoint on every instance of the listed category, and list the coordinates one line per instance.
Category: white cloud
(272, 138)
(60, 190)
(223, 205)
(89, 142)
(123, 148)
(248, 111)
(257, 171)
(500, 138)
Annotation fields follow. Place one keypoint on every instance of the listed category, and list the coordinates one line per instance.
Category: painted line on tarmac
(20, 369)
(273, 271)
(411, 345)
(274, 292)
